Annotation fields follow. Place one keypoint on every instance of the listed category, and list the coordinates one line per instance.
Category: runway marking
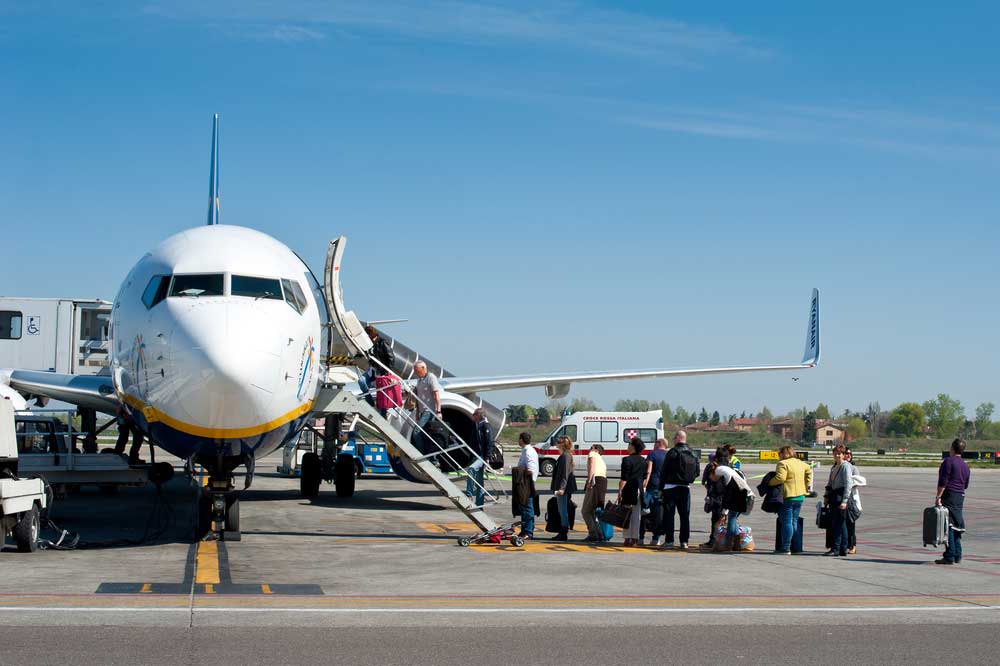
(563, 547)
(207, 566)
(519, 610)
(206, 572)
(446, 528)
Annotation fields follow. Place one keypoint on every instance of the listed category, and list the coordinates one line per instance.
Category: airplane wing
(93, 391)
(557, 384)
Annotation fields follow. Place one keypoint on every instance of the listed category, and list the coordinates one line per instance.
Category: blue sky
(546, 186)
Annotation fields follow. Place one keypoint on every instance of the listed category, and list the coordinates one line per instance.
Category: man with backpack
(680, 470)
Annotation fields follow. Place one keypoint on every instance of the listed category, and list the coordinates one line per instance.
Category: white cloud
(553, 23)
(295, 33)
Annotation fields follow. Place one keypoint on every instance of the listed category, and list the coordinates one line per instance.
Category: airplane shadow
(363, 500)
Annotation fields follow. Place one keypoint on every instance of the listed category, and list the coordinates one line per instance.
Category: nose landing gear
(219, 509)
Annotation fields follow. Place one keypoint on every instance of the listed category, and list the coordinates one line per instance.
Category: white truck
(21, 500)
(55, 334)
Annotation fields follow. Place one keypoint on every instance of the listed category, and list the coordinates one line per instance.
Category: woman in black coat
(630, 488)
(564, 485)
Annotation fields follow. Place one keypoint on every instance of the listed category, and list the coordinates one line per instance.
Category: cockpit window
(294, 296)
(197, 285)
(156, 290)
(255, 287)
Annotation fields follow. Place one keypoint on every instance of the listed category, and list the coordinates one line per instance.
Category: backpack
(680, 467)
(688, 466)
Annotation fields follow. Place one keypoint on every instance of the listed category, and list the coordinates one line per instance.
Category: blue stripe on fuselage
(184, 445)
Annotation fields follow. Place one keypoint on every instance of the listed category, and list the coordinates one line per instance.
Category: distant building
(830, 434)
(746, 425)
(784, 428)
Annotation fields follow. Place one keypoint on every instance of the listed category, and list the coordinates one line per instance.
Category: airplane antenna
(213, 180)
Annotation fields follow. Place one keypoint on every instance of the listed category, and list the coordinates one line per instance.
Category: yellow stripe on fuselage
(152, 415)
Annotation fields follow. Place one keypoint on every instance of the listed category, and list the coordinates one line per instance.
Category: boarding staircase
(335, 399)
(340, 401)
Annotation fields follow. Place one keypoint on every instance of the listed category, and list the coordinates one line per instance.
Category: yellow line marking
(445, 528)
(266, 589)
(209, 588)
(207, 563)
(146, 588)
(534, 547)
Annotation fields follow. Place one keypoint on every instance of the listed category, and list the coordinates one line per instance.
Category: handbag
(824, 518)
(617, 515)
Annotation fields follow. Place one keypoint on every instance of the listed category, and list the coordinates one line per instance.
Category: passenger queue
(655, 489)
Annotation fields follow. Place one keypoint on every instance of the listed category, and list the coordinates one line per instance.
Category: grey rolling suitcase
(935, 526)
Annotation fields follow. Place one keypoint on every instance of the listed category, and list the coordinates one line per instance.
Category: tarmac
(386, 562)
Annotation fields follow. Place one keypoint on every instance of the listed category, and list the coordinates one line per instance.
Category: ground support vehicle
(22, 501)
(46, 448)
(369, 457)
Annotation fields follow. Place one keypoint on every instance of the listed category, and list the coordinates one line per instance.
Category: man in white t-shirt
(528, 461)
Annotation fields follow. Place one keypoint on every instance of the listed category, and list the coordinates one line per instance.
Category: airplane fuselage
(216, 341)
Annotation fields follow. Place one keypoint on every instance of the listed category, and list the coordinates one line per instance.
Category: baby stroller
(500, 534)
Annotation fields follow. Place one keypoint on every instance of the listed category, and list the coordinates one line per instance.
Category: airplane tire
(26, 531)
(547, 467)
(343, 475)
(232, 526)
(233, 514)
(310, 479)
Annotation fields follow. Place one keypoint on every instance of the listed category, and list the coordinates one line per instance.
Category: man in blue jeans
(483, 446)
(795, 479)
(953, 481)
(528, 462)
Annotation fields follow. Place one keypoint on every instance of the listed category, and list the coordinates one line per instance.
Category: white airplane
(219, 348)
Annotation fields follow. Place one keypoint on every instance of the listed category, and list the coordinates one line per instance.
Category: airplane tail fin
(811, 356)
(213, 180)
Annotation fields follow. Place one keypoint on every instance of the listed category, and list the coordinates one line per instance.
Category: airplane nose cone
(226, 361)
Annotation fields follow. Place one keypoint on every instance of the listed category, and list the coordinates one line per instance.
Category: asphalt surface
(552, 643)
(379, 578)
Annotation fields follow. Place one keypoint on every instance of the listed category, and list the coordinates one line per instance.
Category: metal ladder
(337, 400)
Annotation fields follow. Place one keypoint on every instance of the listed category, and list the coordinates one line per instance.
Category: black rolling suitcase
(796, 538)
(936, 522)
(553, 523)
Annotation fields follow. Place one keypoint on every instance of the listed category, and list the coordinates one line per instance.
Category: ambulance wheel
(547, 467)
(310, 479)
(26, 531)
(516, 541)
(464, 542)
(343, 475)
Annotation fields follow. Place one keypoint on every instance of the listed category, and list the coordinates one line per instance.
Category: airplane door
(352, 333)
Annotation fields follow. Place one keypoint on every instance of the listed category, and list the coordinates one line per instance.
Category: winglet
(811, 356)
(213, 180)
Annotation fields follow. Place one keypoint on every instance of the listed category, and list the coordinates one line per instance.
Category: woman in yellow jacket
(795, 479)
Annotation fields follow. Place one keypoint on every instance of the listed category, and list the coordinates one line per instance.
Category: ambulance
(612, 430)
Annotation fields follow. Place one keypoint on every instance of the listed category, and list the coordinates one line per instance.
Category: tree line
(942, 417)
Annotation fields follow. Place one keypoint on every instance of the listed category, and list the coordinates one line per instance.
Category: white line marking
(432, 611)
